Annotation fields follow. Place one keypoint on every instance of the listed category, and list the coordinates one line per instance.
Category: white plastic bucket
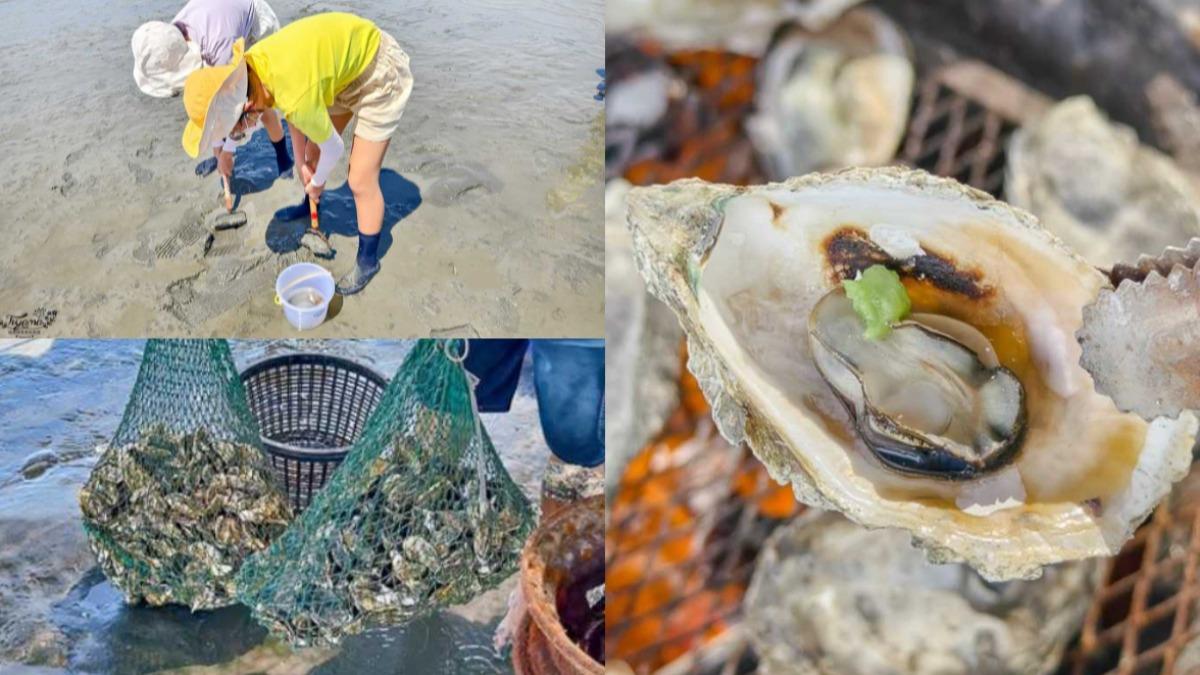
(304, 291)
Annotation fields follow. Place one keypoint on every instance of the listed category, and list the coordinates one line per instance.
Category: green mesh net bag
(183, 495)
(421, 514)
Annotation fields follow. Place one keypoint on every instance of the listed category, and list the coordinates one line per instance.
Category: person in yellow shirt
(320, 72)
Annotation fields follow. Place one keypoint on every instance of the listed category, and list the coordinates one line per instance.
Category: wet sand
(493, 183)
(57, 612)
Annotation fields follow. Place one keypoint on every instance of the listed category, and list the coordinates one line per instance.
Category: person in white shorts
(203, 34)
(320, 72)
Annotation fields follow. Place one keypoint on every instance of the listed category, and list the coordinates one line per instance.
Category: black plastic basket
(311, 409)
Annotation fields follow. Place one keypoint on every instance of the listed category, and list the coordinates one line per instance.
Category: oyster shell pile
(739, 25)
(829, 596)
(1131, 199)
(376, 550)
(1059, 474)
(831, 99)
(172, 517)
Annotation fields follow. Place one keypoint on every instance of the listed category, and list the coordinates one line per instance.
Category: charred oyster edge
(670, 257)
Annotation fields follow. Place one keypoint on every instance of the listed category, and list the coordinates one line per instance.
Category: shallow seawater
(305, 299)
(68, 401)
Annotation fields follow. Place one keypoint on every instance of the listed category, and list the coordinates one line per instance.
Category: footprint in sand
(455, 181)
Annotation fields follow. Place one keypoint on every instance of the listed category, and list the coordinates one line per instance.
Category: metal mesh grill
(951, 135)
(686, 525)
(1144, 612)
(683, 536)
(703, 136)
(962, 116)
(310, 408)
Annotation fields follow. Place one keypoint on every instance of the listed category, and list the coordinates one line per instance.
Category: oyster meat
(922, 401)
(972, 425)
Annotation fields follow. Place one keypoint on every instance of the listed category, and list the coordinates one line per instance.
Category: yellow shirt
(306, 63)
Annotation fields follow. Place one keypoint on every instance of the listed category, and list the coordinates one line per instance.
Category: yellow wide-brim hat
(214, 98)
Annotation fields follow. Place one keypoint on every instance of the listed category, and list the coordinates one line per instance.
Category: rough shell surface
(642, 341)
(1141, 342)
(830, 596)
(1131, 199)
(675, 227)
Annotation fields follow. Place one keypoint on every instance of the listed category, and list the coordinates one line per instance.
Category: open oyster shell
(1141, 341)
(743, 268)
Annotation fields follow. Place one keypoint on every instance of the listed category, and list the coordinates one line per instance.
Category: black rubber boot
(282, 159)
(356, 279)
(206, 167)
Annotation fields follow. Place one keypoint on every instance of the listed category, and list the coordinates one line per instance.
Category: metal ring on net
(447, 347)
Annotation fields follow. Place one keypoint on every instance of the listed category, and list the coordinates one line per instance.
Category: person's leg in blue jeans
(497, 364)
(569, 379)
(569, 383)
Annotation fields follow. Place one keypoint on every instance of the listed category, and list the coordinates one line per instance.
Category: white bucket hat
(162, 59)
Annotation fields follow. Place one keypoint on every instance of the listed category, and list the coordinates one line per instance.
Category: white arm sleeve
(331, 152)
(230, 145)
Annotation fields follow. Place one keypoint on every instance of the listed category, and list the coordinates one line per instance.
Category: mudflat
(493, 184)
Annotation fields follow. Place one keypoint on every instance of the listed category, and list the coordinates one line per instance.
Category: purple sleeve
(215, 25)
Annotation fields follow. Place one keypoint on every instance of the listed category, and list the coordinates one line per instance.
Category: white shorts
(377, 97)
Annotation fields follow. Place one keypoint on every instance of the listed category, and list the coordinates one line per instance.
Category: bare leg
(270, 120)
(366, 159)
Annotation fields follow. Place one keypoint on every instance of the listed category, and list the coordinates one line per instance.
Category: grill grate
(953, 136)
(686, 525)
(962, 117)
(1144, 612)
